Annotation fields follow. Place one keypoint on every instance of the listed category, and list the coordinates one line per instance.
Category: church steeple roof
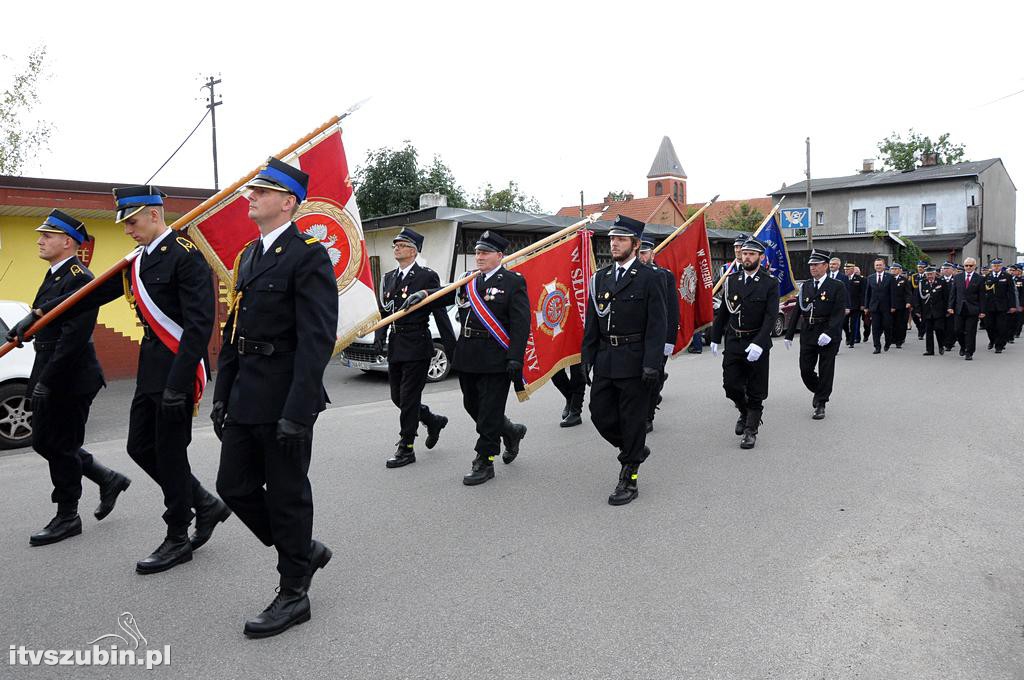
(666, 162)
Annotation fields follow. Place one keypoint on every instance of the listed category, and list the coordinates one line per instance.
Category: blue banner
(776, 257)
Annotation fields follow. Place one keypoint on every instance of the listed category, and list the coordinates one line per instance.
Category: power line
(179, 146)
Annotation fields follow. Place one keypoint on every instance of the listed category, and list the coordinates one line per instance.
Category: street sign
(796, 218)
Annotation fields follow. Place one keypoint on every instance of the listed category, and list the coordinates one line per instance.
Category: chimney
(433, 201)
(629, 197)
(869, 166)
(929, 159)
(609, 199)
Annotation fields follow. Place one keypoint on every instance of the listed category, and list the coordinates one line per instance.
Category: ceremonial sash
(168, 332)
(483, 312)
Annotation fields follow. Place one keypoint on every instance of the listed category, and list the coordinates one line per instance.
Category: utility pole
(810, 211)
(581, 205)
(212, 103)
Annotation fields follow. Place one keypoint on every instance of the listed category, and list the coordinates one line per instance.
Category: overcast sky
(559, 96)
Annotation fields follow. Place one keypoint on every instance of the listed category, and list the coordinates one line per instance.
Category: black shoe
(210, 512)
(991, 345)
(434, 431)
(942, 351)
(969, 357)
(899, 346)
(649, 426)
(887, 346)
(750, 431)
(999, 350)
(514, 433)
(289, 608)
(173, 551)
(404, 455)
(63, 525)
(741, 424)
(572, 420)
(483, 469)
(878, 350)
(565, 411)
(319, 556)
(1011, 341)
(850, 345)
(928, 354)
(110, 489)
(625, 491)
(819, 413)
(962, 352)
(694, 350)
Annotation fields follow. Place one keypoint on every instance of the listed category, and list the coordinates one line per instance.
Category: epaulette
(185, 243)
(76, 270)
(516, 273)
(311, 240)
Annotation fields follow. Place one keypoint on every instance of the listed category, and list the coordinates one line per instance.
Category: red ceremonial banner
(688, 257)
(556, 283)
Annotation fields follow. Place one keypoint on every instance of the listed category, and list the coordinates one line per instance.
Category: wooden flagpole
(764, 224)
(682, 227)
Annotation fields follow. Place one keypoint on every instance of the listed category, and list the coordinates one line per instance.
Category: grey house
(949, 211)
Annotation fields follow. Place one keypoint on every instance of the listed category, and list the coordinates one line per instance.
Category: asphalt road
(882, 542)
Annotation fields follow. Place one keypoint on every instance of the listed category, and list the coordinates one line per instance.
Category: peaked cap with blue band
(279, 176)
(58, 222)
(130, 200)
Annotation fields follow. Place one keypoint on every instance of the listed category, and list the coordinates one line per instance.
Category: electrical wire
(179, 146)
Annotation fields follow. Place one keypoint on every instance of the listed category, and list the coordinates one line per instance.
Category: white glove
(823, 339)
(669, 347)
(753, 352)
(787, 343)
(714, 349)
(716, 302)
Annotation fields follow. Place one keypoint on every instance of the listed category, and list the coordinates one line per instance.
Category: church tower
(667, 177)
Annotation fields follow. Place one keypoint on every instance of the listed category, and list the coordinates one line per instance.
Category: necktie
(619, 271)
(879, 279)
(259, 252)
(968, 280)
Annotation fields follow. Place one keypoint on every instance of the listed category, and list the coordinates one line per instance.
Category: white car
(360, 354)
(15, 369)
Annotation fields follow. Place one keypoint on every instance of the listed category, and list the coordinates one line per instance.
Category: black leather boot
(625, 490)
(319, 556)
(175, 550)
(111, 485)
(819, 412)
(573, 414)
(483, 469)
(511, 435)
(289, 608)
(568, 404)
(741, 423)
(65, 524)
(404, 455)
(434, 423)
(210, 511)
(750, 431)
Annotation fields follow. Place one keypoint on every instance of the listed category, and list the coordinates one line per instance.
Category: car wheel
(440, 366)
(780, 325)
(15, 417)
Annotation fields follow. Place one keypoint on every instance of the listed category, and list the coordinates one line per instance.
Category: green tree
(21, 137)
(900, 154)
(510, 199)
(391, 181)
(743, 217)
(618, 195)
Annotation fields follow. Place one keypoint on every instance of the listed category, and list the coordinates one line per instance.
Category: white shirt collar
(55, 267)
(403, 272)
(155, 242)
(489, 274)
(627, 265)
(268, 240)
(817, 282)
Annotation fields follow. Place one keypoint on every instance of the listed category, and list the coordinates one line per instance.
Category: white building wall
(438, 245)
(950, 198)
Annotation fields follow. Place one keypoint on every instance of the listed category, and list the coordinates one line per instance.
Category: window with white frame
(819, 218)
(860, 221)
(928, 216)
(892, 218)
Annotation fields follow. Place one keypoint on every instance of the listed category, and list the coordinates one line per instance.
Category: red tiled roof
(643, 209)
(721, 209)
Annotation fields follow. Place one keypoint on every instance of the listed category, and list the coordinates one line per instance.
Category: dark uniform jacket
(964, 299)
(855, 291)
(902, 292)
(839, 276)
(825, 309)
(757, 307)
(671, 304)
(65, 357)
(1018, 284)
(410, 336)
(289, 300)
(878, 296)
(933, 299)
(1000, 292)
(626, 326)
(180, 284)
(478, 352)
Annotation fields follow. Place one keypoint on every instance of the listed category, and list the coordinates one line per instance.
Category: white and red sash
(166, 329)
(487, 318)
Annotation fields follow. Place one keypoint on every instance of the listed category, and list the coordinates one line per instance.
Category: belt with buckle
(616, 340)
(468, 332)
(246, 346)
(46, 346)
(409, 327)
(739, 332)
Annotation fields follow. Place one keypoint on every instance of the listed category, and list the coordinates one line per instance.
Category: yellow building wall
(21, 270)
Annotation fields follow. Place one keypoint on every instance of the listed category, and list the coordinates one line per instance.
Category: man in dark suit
(646, 256)
(1017, 272)
(946, 273)
(878, 302)
(835, 270)
(966, 300)
(933, 303)
(902, 302)
(279, 336)
(64, 381)
(623, 343)
(854, 298)
(750, 306)
(823, 305)
(1000, 305)
(494, 313)
(410, 346)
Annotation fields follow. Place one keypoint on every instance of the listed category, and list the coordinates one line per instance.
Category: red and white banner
(688, 257)
(556, 284)
(329, 213)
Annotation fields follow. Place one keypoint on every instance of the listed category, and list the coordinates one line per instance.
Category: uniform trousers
(899, 325)
(852, 326)
(407, 379)
(881, 324)
(483, 397)
(745, 382)
(967, 331)
(573, 383)
(269, 490)
(812, 357)
(58, 431)
(998, 326)
(933, 333)
(617, 408)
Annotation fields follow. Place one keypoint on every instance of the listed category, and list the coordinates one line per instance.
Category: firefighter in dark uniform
(823, 304)
(410, 346)
(623, 343)
(750, 305)
(487, 366)
(947, 273)
(902, 302)
(854, 297)
(176, 287)
(933, 305)
(64, 381)
(1000, 305)
(915, 283)
(572, 385)
(1017, 272)
(646, 256)
(279, 335)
